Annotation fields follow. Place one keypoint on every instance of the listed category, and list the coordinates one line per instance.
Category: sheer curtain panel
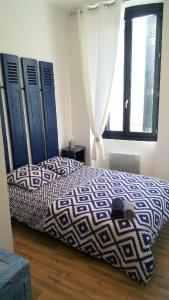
(98, 34)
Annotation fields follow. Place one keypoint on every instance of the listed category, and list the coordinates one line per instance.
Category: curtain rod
(90, 9)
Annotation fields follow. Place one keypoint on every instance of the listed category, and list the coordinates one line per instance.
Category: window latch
(126, 103)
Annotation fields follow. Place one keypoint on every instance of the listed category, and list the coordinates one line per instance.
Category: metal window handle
(126, 103)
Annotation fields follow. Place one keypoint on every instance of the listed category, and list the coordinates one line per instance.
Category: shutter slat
(34, 109)
(49, 105)
(15, 110)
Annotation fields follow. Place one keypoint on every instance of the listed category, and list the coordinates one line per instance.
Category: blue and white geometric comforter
(82, 219)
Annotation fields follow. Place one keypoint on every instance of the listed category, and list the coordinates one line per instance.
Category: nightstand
(76, 152)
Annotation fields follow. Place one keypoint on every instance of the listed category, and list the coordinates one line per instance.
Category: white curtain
(98, 34)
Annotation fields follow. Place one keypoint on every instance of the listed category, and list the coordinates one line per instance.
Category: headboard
(28, 111)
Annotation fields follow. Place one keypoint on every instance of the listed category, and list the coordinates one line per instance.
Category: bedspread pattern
(31, 207)
(82, 219)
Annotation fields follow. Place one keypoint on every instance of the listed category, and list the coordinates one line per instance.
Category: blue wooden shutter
(15, 109)
(48, 98)
(34, 109)
(4, 134)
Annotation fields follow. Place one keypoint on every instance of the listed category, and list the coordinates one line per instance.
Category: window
(135, 93)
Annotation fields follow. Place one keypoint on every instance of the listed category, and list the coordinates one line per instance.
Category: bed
(76, 209)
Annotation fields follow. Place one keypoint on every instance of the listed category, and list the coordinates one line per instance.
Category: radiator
(125, 162)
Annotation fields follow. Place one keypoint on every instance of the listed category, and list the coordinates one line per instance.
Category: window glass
(142, 74)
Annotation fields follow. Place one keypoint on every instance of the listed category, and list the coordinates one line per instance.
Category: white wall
(162, 155)
(5, 222)
(36, 29)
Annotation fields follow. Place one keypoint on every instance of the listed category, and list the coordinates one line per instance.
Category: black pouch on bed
(117, 209)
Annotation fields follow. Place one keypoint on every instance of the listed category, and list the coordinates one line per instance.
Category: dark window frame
(130, 13)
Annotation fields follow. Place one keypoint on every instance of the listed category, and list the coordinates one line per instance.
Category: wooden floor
(61, 273)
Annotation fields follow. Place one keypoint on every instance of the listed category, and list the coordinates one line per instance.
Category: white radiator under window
(125, 162)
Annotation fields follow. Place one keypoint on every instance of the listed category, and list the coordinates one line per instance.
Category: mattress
(77, 210)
